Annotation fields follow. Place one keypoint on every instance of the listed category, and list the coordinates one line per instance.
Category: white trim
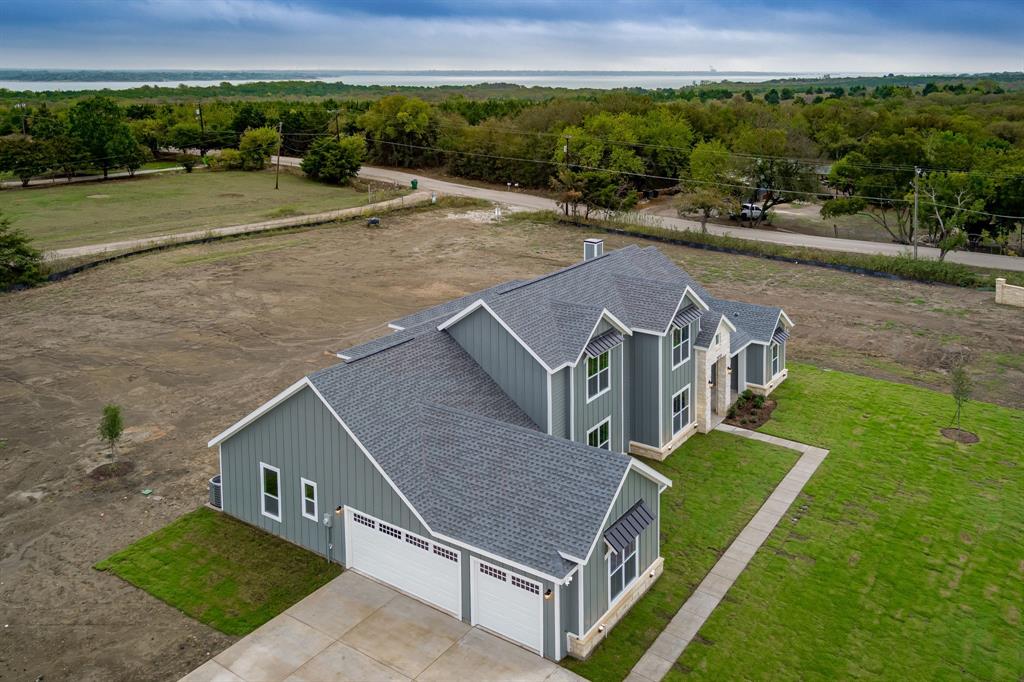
(607, 420)
(263, 507)
(220, 467)
(775, 349)
(303, 482)
(689, 410)
(689, 346)
(614, 322)
(661, 389)
(592, 398)
(572, 403)
(259, 412)
(647, 471)
(600, 531)
(480, 303)
(474, 569)
(494, 557)
(608, 573)
(556, 589)
(694, 297)
(395, 327)
(550, 408)
(347, 521)
(346, 358)
(622, 400)
(718, 329)
(580, 598)
(784, 316)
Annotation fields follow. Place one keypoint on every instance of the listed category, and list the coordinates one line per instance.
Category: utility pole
(280, 143)
(565, 149)
(917, 174)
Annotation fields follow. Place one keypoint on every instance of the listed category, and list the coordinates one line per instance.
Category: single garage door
(411, 563)
(508, 604)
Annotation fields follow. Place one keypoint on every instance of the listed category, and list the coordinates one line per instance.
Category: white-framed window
(680, 345)
(309, 505)
(600, 435)
(775, 359)
(622, 570)
(270, 491)
(598, 373)
(716, 338)
(680, 410)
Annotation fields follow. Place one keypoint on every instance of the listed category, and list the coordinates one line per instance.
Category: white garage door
(508, 604)
(411, 563)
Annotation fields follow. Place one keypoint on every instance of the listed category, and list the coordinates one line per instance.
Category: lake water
(562, 79)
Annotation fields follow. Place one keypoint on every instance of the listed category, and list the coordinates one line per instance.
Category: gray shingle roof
(468, 458)
(708, 325)
(449, 308)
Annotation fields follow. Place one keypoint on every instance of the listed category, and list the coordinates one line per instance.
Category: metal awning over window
(604, 342)
(685, 317)
(629, 526)
(780, 335)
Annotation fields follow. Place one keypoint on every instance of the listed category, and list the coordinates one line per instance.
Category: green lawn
(907, 558)
(151, 205)
(220, 571)
(719, 482)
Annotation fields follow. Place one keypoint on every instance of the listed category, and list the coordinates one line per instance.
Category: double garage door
(503, 602)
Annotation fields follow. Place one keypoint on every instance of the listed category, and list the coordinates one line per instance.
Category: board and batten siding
(643, 389)
(560, 403)
(506, 361)
(595, 572)
(302, 439)
(675, 380)
(756, 364)
(587, 415)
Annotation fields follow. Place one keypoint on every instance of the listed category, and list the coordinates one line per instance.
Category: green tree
(25, 157)
(401, 131)
(711, 186)
(948, 201)
(184, 136)
(111, 427)
(257, 146)
(20, 262)
(961, 387)
(767, 167)
(334, 161)
(99, 124)
(133, 157)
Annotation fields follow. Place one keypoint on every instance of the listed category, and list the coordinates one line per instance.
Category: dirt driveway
(187, 341)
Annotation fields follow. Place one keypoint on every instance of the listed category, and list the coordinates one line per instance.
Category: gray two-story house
(480, 457)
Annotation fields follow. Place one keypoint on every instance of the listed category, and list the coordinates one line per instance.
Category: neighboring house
(475, 458)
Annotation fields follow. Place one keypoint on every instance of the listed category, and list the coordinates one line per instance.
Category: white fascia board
(259, 412)
(395, 327)
(570, 557)
(722, 319)
(495, 557)
(784, 316)
(728, 322)
(346, 358)
(608, 513)
(480, 303)
(368, 456)
(647, 471)
(615, 322)
(688, 292)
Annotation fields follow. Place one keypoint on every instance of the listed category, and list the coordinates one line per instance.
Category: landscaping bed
(750, 411)
(220, 571)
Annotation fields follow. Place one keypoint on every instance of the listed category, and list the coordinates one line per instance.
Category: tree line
(859, 150)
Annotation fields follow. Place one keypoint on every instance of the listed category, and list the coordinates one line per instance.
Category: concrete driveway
(356, 630)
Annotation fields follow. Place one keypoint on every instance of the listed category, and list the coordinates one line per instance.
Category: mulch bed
(105, 472)
(750, 417)
(960, 436)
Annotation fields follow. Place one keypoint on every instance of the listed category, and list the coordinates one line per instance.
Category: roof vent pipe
(593, 248)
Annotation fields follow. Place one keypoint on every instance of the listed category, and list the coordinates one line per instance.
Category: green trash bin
(415, 184)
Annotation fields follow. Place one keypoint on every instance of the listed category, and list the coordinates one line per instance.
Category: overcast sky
(748, 35)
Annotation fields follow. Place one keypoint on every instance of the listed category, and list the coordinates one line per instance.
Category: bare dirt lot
(190, 340)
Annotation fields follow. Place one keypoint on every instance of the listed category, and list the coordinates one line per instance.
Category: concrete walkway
(669, 646)
(354, 629)
(246, 228)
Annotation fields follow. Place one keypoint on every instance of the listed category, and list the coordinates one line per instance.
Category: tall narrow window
(621, 570)
(680, 410)
(600, 435)
(270, 487)
(308, 499)
(775, 359)
(680, 345)
(597, 375)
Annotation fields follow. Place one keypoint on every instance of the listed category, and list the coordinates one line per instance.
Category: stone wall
(1008, 294)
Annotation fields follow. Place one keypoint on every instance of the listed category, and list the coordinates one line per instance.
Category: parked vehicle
(748, 212)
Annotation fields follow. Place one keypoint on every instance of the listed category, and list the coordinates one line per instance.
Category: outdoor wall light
(600, 628)
(338, 510)
(652, 574)
(547, 595)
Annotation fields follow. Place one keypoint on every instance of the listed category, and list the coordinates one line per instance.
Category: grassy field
(146, 206)
(719, 482)
(902, 557)
(220, 571)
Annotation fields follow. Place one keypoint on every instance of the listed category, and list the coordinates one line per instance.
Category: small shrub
(111, 426)
(228, 159)
(188, 161)
(758, 401)
(731, 414)
(20, 262)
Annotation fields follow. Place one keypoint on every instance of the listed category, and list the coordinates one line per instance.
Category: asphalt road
(981, 260)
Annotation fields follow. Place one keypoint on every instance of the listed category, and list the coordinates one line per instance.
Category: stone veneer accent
(580, 647)
(771, 385)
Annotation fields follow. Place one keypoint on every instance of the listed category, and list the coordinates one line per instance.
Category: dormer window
(680, 345)
(598, 375)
